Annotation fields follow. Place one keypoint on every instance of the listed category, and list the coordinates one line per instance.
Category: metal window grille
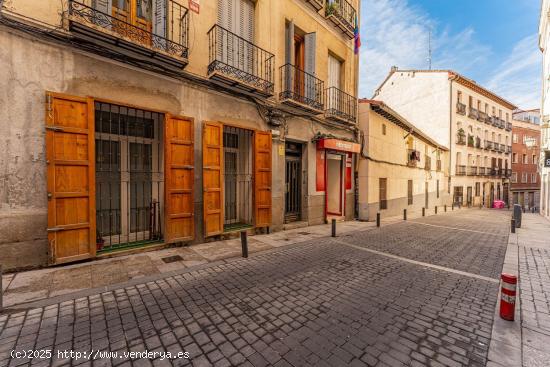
(129, 176)
(238, 173)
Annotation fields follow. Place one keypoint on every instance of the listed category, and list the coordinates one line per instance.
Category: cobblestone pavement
(320, 303)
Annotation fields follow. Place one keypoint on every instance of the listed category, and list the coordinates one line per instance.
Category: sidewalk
(70, 280)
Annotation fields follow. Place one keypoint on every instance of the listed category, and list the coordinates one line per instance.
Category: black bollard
(513, 226)
(436, 209)
(244, 243)
(445, 208)
(333, 227)
(404, 214)
(423, 212)
(453, 206)
(378, 219)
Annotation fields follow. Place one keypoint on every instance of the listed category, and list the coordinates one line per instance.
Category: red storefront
(335, 173)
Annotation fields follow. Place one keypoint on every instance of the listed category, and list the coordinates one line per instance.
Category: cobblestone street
(414, 293)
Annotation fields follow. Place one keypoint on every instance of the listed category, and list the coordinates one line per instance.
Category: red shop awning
(341, 145)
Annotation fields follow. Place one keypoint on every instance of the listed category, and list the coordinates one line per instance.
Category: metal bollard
(404, 214)
(453, 207)
(378, 219)
(244, 243)
(445, 208)
(513, 226)
(436, 209)
(333, 227)
(423, 212)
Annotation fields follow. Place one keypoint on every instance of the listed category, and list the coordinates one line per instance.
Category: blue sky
(493, 42)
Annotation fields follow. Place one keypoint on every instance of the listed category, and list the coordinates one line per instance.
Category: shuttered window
(334, 72)
(237, 16)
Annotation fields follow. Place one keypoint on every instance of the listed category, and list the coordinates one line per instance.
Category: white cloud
(517, 78)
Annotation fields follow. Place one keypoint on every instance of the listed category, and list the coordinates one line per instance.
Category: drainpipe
(449, 180)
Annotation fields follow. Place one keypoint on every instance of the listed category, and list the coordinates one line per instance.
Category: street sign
(547, 158)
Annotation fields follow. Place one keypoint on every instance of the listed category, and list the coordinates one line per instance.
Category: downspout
(358, 132)
(449, 180)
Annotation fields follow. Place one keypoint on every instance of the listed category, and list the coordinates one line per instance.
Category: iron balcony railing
(488, 120)
(501, 124)
(494, 121)
(340, 105)
(460, 108)
(488, 145)
(473, 113)
(461, 139)
(481, 171)
(493, 171)
(481, 116)
(171, 39)
(342, 14)
(239, 60)
(472, 171)
(299, 87)
(508, 149)
(509, 126)
(317, 4)
(471, 141)
(508, 172)
(460, 170)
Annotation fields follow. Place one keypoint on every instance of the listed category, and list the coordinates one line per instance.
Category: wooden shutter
(104, 6)
(179, 179)
(159, 18)
(310, 41)
(212, 160)
(247, 20)
(289, 43)
(262, 178)
(70, 162)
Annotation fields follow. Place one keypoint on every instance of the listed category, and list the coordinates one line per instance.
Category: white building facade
(474, 123)
(544, 36)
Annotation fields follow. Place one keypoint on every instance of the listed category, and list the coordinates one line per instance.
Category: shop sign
(194, 5)
(341, 145)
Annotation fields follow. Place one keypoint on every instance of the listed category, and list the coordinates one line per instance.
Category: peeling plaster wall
(31, 67)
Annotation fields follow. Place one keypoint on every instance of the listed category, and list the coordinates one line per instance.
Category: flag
(356, 36)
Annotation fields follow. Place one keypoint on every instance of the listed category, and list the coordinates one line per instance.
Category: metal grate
(238, 170)
(129, 176)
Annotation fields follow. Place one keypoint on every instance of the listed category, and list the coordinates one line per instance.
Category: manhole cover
(172, 259)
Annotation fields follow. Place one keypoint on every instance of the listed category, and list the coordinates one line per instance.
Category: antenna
(430, 50)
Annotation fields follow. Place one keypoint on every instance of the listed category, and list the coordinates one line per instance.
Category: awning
(341, 145)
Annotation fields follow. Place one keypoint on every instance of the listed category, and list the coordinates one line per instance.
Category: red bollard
(508, 296)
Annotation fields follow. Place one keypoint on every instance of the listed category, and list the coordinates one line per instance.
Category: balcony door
(334, 84)
(236, 17)
(138, 13)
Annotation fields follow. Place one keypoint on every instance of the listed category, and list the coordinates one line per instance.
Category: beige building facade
(400, 167)
(544, 165)
(143, 123)
(471, 121)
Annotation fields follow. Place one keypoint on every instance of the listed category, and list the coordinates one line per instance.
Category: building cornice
(479, 89)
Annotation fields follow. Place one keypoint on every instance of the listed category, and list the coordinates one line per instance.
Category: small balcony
(508, 149)
(340, 106)
(508, 173)
(342, 14)
(478, 142)
(316, 4)
(482, 116)
(508, 126)
(488, 145)
(494, 121)
(460, 170)
(461, 108)
(471, 141)
(481, 171)
(501, 124)
(239, 64)
(427, 163)
(472, 171)
(460, 139)
(473, 113)
(413, 157)
(438, 165)
(160, 41)
(488, 120)
(493, 171)
(301, 90)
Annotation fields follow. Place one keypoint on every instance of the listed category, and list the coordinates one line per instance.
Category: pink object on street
(498, 204)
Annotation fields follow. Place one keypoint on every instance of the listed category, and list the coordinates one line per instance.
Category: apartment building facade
(525, 180)
(400, 166)
(471, 121)
(144, 123)
(544, 43)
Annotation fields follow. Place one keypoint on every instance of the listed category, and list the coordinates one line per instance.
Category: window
(459, 96)
(383, 129)
(514, 177)
(478, 189)
(524, 177)
(507, 117)
(470, 102)
(382, 193)
(515, 138)
(533, 178)
(410, 192)
(514, 158)
(524, 160)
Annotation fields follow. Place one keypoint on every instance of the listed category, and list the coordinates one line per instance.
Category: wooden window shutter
(247, 20)
(104, 6)
(212, 161)
(160, 18)
(289, 43)
(70, 159)
(179, 179)
(310, 41)
(262, 178)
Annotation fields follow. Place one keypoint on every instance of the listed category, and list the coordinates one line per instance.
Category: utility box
(517, 215)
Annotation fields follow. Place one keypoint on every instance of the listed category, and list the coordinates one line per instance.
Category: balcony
(481, 171)
(478, 143)
(482, 116)
(508, 149)
(460, 170)
(340, 106)
(473, 113)
(413, 157)
(164, 46)
(494, 121)
(461, 108)
(471, 141)
(342, 14)
(460, 139)
(438, 165)
(472, 171)
(427, 163)
(317, 4)
(238, 63)
(508, 126)
(508, 172)
(493, 171)
(301, 90)
(488, 145)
